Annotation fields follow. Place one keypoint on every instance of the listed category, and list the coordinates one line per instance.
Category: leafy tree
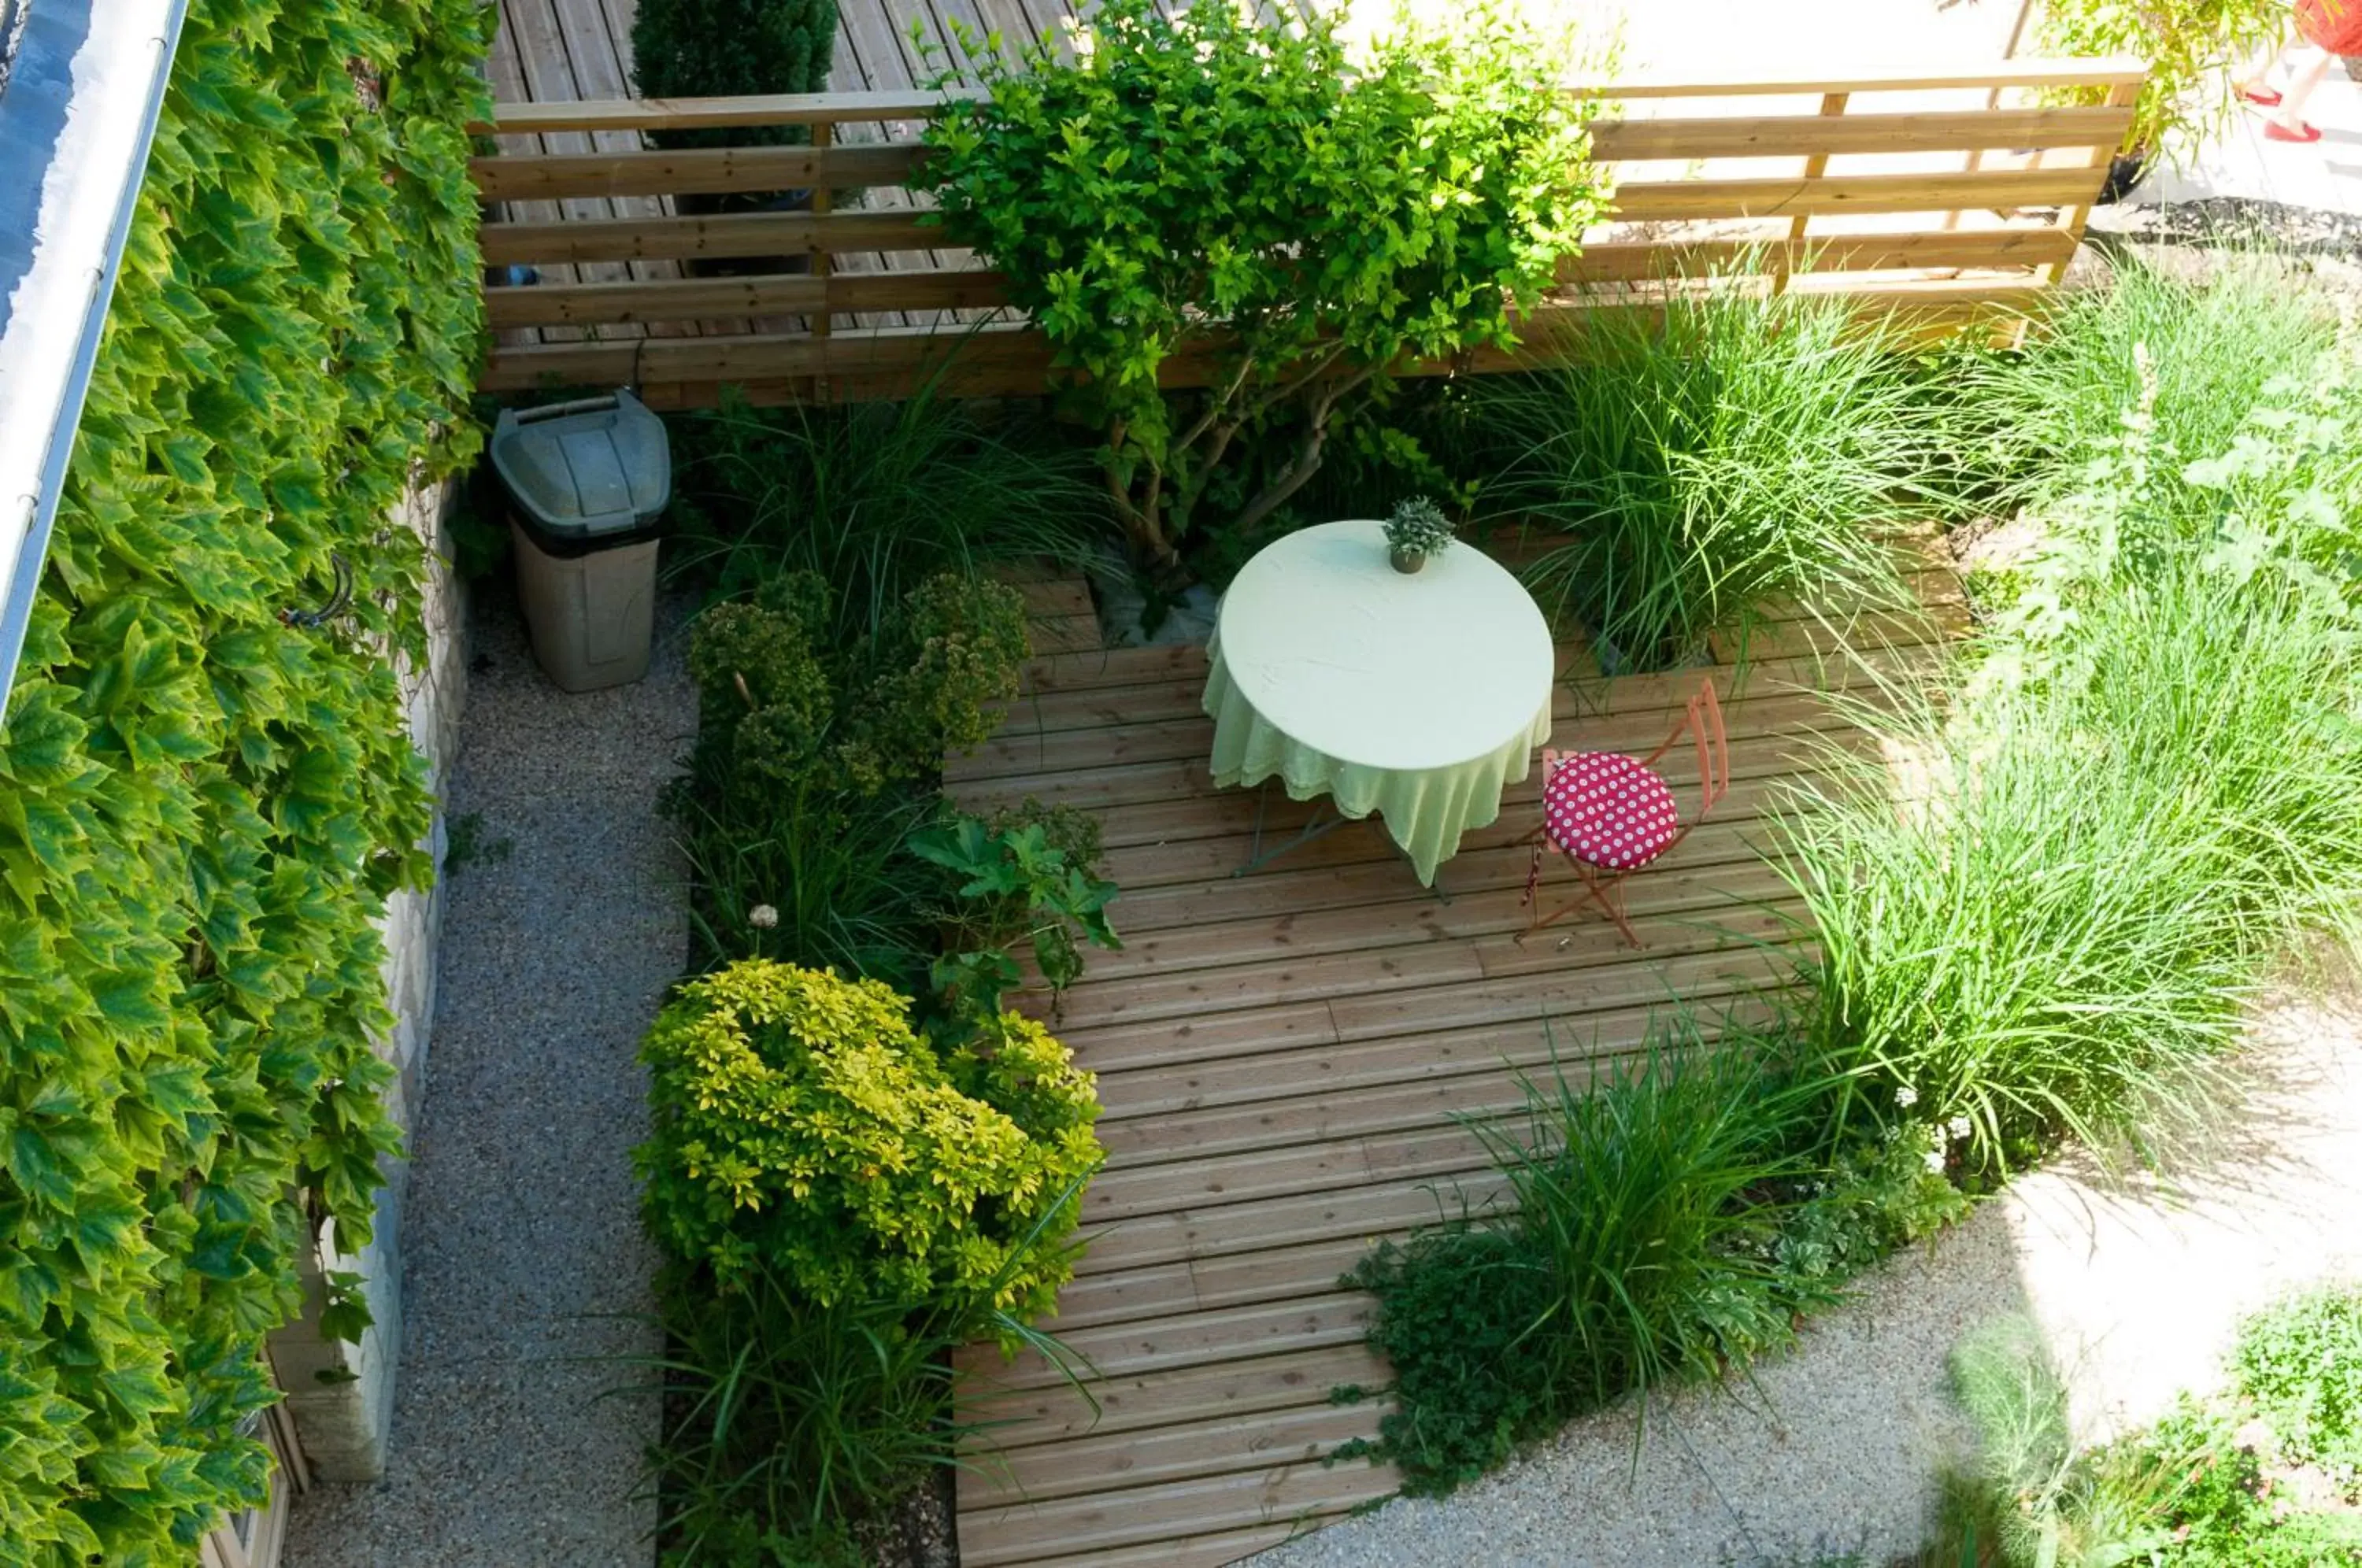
(1303, 216)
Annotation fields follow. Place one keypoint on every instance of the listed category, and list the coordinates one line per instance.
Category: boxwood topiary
(203, 809)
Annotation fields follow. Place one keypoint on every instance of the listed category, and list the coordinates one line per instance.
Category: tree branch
(1306, 461)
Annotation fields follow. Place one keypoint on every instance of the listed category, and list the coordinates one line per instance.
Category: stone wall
(341, 1395)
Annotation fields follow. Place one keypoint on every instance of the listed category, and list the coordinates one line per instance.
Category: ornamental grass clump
(2144, 787)
(2028, 421)
(804, 1129)
(1668, 1221)
(1710, 454)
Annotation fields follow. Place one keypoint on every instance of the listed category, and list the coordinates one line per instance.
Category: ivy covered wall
(203, 806)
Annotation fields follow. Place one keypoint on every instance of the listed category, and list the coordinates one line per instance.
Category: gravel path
(2135, 1283)
(525, 1273)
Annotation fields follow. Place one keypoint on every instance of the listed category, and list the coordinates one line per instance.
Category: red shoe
(2275, 131)
(2262, 97)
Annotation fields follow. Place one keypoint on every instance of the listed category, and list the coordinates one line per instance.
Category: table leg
(1258, 856)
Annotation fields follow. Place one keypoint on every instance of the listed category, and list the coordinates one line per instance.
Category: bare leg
(2255, 73)
(2311, 66)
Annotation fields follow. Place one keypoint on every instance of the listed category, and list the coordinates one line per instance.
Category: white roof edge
(76, 121)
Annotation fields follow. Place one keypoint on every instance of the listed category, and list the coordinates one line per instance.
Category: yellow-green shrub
(802, 1124)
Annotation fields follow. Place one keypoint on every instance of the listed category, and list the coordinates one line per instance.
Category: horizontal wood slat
(1655, 200)
(1630, 262)
(2099, 72)
(841, 108)
(981, 361)
(700, 172)
(1798, 136)
(772, 294)
(712, 113)
(732, 235)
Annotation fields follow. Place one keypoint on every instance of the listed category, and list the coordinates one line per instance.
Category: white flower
(763, 916)
(1935, 1159)
(1906, 1096)
(1958, 1128)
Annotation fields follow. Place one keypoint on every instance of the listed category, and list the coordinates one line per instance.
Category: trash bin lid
(581, 470)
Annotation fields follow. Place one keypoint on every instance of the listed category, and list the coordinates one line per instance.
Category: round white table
(1419, 695)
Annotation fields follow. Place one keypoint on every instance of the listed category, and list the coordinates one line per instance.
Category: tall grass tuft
(2027, 420)
(1728, 448)
(2059, 933)
(876, 497)
(1668, 1221)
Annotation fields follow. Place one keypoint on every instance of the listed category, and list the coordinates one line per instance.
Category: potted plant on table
(1416, 530)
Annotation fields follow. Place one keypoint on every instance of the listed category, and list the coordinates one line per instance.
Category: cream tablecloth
(1419, 696)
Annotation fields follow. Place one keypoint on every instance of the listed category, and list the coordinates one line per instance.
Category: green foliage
(1738, 447)
(1013, 884)
(786, 1419)
(1324, 216)
(1667, 1223)
(2213, 1485)
(811, 758)
(874, 499)
(2144, 787)
(2028, 421)
(2302, 1363)
(729, 49)
(2192, 48)
(1418, 527)
(778, 703)
(802, 1126)
(202, 810)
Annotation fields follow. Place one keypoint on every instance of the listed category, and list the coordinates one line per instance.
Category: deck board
(1283, 1059)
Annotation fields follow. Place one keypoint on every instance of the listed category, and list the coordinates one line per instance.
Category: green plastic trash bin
(586, 482)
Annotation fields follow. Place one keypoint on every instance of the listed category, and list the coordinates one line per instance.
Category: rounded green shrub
(802, 1125)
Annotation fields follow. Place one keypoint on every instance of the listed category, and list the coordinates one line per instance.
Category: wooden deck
(1280, 1056)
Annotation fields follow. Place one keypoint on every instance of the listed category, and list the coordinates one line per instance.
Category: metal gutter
(77, 116)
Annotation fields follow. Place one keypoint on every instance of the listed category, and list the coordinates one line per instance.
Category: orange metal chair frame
(1603, 885)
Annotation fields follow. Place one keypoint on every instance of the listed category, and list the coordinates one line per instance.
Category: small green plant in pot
(1416, 530)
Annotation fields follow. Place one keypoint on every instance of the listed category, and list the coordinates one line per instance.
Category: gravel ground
(527, 1277)
(1838, 1447)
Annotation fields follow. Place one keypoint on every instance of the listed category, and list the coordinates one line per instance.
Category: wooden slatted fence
(1943, 214)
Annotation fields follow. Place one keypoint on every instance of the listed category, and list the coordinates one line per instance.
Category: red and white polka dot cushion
(1607, 810)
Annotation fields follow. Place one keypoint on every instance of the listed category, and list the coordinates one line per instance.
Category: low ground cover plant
(2262, 1475)
(1667, 1223)
(1707, 455)
(1310, 218)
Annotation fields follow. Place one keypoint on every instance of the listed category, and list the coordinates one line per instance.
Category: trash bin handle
(557, 410)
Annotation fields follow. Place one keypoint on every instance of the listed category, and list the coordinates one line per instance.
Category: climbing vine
(203, 807)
